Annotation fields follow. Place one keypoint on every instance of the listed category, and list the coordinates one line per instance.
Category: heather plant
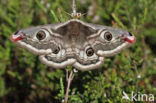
(24, 79)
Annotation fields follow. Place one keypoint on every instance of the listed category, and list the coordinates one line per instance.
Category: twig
(66, 75)
(74, 7)
(69, 80)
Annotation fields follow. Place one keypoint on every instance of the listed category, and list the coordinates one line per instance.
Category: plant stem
(69, 80)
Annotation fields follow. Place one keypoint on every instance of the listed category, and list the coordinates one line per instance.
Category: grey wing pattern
(37, 40)
(42, 41)
(110, 41)
(74, 42)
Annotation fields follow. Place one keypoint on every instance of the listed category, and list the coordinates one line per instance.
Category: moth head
(35, 39)
(112, 41)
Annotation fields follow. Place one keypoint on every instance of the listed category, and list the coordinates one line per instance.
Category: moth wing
(38, 40)
(109, 41)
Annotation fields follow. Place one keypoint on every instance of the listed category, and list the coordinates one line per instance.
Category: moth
(74, 42)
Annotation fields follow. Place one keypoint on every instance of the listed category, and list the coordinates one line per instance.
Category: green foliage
(24, 79)
(61, 93)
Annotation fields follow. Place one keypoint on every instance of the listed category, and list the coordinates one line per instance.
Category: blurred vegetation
(23, 79)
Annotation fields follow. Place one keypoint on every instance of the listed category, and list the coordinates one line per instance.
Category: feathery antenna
(74, 13)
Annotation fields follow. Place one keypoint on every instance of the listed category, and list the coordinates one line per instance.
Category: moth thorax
(76, 15)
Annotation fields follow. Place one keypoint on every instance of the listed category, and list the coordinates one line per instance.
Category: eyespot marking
(41, 35)
(56, 51)
(89, 52)
(108, 36)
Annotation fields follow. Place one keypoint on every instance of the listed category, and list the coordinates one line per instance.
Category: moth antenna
(61, 19)
(74, 13)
